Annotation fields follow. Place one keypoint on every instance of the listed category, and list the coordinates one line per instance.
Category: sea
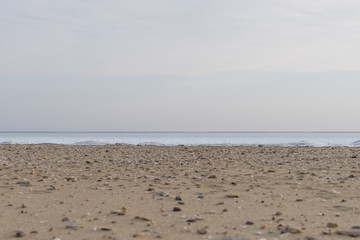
(317, 139)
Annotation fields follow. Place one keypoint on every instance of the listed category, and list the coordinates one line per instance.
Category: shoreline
(183, 145)
(178, 192)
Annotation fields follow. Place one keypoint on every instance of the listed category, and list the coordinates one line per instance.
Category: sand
(64, 192)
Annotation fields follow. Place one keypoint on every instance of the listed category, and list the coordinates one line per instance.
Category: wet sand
(63, 192)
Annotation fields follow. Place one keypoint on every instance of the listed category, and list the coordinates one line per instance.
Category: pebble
(143, 218)
(65, 219)
(105, 229)
(142, 234)
(201, 231)
(119, 212)
(72, 226)
(232, 196)
(288, 229)
(332, 225)
(19, 234)
(178, 198)
(249, 223)
(176, 209)
(355, 227)
(348, 233)
(24, 183)
(237, 237)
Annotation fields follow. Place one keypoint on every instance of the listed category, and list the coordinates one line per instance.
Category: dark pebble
(65, 219)
(249, 223)
(200, 196)
(234, 183)
(176, 209)
(278, 214)
(105, 229)
(355, 227)
(19, 234)
(178, 198)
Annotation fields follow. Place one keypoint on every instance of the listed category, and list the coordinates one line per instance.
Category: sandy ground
(204, 192)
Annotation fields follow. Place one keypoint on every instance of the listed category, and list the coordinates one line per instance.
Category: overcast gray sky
(180, 65)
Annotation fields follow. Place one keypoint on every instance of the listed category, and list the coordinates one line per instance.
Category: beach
(50, 191)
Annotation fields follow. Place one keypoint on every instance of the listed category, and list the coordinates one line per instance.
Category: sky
(180, 65)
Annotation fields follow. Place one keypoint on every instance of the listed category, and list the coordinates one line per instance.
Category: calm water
(186, 138)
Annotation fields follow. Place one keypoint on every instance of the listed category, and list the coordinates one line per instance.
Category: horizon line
(30, 131)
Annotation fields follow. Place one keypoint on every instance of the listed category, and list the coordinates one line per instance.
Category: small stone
(176, 209)
(24, 183)
(105, 229)
(34, 232)
(201, 231)
(119, 212)
(143, 218)
(142, 234)
(355, 227)
(233, 183)
(310, 238)
(332, 225)
(237, 237)
(200, 197)
(249, 223)
(178, 198)
(212, 176)
(72, 226)
(278, 214)
(276, 195)
(232, 196)
(19, 234)
(348, 233)
(65, 219)
(288, 229)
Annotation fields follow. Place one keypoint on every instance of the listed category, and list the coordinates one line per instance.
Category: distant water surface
(185, 138)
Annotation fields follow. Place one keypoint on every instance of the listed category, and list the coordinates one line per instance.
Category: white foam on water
(186, 138)
(8, 142)
(355, 143)
(302, 143)
(89, 143)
